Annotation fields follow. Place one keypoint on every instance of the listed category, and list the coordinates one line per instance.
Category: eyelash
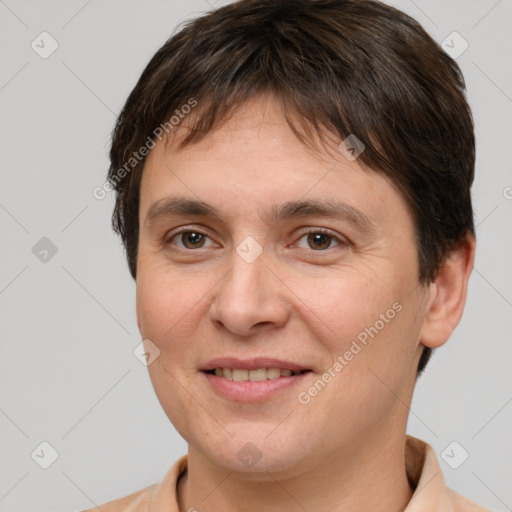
(341, 241)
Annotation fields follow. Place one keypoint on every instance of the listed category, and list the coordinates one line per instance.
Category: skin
(293, 302)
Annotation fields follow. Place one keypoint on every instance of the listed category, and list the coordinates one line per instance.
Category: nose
(250, 298)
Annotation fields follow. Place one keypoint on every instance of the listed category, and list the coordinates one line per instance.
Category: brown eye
(319, 241)
(192, 239)
(188, 239)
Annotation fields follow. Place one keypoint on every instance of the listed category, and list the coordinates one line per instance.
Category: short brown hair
(345, 67)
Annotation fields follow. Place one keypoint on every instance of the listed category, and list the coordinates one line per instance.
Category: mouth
(257, 375)
(252, 380)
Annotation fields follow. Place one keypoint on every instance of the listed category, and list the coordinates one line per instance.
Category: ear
(447, 295)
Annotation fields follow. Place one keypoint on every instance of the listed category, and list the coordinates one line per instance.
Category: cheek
(166, 306)
(369, 320)
(370, 337)
(342, 306)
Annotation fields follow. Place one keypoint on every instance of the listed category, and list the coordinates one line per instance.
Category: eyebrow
(328, 208)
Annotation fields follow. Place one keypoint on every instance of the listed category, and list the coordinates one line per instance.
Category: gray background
(68, 375)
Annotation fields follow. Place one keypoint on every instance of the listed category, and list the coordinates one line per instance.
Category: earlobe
(447, 295)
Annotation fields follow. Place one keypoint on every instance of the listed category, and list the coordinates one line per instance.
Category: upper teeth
(238, 375)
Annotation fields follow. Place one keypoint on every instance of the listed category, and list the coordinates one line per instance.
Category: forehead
(255, 159)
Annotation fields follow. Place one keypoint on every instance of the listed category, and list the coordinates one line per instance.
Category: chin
(253, 457)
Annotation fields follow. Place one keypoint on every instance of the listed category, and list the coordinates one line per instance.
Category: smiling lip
(251, 364)
(252, 391)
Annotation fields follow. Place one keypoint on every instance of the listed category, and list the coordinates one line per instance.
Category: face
(263, 274)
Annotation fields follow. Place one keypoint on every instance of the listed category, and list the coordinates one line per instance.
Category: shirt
(423, 472)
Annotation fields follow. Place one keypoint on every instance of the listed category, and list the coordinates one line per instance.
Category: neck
(370, 476)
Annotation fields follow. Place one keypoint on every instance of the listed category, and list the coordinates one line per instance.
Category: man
(293, 192)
